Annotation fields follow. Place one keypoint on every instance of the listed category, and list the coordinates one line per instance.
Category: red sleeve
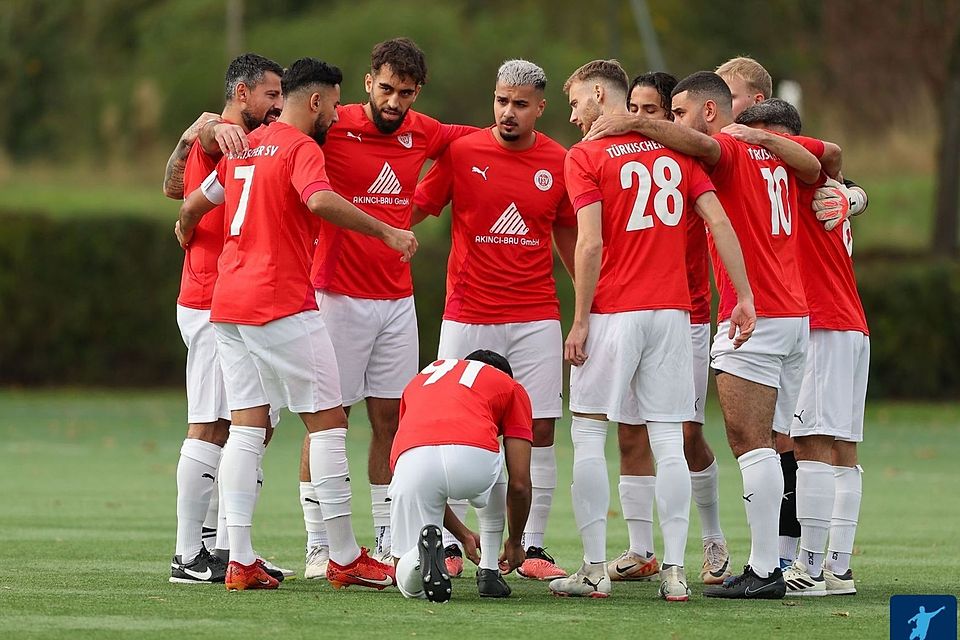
(436, 189)
(814, 146)
(729, 147)
(583, 185)
(308, 172)
(566, 216)
(517, 419)
(700, 182)
(443, 135)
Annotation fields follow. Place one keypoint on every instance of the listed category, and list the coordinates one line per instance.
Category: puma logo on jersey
(482, 173)
(386, 183)
(510, 222)
(351, 134)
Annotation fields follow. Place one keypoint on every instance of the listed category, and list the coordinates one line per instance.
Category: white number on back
(781, 217)
(245, 174)
(441, 368)
(667, 202)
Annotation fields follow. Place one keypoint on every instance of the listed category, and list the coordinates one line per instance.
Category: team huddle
(296, 292)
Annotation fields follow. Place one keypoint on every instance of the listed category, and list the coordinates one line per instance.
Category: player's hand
(512, 557)
(744, 133)
(606, 126)
(831, 203)
(471, 546)
(231, 138)
(403, 241)
(574, 350)
(743, 320)
(193, 131)
(183, 237)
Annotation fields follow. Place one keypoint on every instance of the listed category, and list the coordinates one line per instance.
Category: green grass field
(87, 528)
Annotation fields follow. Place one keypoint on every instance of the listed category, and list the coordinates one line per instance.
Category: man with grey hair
(509, 206)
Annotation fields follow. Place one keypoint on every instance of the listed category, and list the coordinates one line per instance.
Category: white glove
(834, 202)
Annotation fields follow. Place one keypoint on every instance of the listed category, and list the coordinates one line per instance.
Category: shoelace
(735, 580)
(715, 555)
(542, 552)
(315, 553)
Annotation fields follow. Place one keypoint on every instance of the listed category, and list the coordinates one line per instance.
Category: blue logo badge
(923, 618)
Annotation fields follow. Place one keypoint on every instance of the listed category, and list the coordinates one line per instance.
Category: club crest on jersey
(406, 139)
(543, 179)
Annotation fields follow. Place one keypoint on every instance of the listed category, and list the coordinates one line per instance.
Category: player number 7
(245, 174)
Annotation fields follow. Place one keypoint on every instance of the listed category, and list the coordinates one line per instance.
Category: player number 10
(777, 190)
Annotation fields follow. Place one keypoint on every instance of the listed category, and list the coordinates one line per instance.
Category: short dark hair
(307, 72)
(610, 71)
(249, 69)
(491, 358)
(662, 82)
(706, 84)
(773, 111)
(404, 57)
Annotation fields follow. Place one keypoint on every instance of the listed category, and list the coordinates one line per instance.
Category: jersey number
(667, 202)
(780, 215)
(245, 174)
(442, 367)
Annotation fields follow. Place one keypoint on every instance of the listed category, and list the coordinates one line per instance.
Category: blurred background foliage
(98, 91)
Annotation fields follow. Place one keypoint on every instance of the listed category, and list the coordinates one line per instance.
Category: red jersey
(201, 255)
(505, 205)
(462, 402)
(377, 172)
(826, 261)
(758, 192)
(645, 189)
(265, 264)
(698, 269)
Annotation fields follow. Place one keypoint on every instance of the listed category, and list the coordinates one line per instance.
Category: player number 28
(441, 368)
(245, 174)
(667, 201)
(780, 215)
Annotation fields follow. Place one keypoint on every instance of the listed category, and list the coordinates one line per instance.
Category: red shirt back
(505, 205)
(461, 402)
(377, 172)
(265, 264)
(201, 255)
(698, 269)
(758, 192)
(646, 190)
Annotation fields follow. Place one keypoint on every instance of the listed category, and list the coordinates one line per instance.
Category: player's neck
(233, 113)
(713, 128)
(614, 110)
(520, 144)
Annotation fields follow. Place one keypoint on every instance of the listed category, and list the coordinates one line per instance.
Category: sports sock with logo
(846, 513)
(591, 487)
(238, 478)
(762, 494)
(637, 494)
(459, 508)
(380, 508)
(312, 514)
(788, 547)
(196, 478)
(705, 486)
(543, 481)
(491, 523)
(331, 482)
(815, 498)
(672, 488)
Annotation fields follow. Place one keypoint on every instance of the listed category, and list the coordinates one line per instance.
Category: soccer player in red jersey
(447, 446)
(749, 82)
(758, 384)
(509, 203)
(828, 422)
(271, 340)
(650, 96)
(630, 340)
(252, 98)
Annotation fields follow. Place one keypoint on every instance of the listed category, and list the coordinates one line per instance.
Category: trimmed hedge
(91, 302)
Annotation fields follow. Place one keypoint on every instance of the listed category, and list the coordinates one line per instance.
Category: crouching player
(446, 447)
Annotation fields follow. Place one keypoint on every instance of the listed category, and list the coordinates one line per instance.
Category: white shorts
(834, 388)
(426, 477)
(639, 367)
(288, 362)
(533, 349)
(773, 356)
(376, 342)
(206, 396)
(700, 341)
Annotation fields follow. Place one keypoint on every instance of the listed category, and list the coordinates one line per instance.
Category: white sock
(459, 507)
(591, 486)
(409, 580)
(762, 492)
(196, 478)
(238, 478)
(672, 488)
(312, 515)
(543, 480)
(846, 513)
(491, 523)
(788, 547)
(705, 486)
(330, 477)
(637, 494)
(380, 508)
(815, 497)
(223, 536)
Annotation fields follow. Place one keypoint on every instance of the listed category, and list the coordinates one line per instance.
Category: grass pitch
(87, 525)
